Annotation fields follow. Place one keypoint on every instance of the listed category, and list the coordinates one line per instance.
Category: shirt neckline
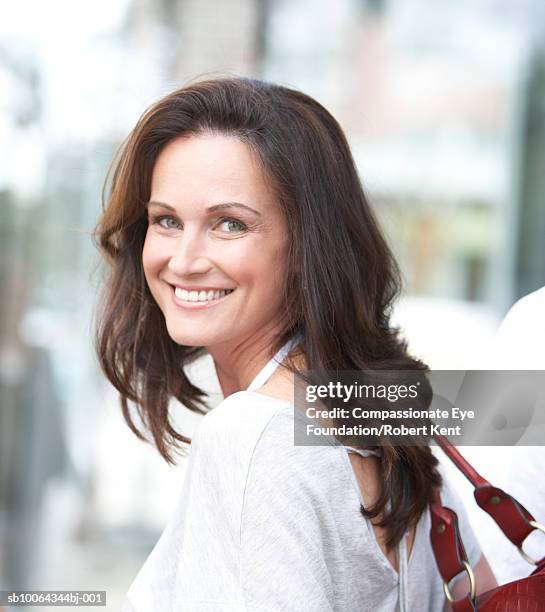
(270, 367)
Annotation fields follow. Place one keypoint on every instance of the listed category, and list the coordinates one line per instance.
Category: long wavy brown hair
(339, 288)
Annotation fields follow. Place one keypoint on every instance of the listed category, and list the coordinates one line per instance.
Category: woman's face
(214, 256)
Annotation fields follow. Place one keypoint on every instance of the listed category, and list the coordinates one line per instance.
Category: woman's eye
(167, 222)
(232, 226)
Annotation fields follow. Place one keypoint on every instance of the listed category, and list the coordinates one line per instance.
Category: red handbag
(524, 595)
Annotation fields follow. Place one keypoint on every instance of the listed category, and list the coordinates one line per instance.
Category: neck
(239, 363)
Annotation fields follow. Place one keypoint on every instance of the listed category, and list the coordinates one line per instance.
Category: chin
(193, 338)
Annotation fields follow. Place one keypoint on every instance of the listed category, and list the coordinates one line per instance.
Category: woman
(236, 225)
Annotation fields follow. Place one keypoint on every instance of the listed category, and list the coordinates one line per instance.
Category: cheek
(257, 265)
(268, 276)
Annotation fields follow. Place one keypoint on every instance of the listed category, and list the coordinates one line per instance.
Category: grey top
(266, 526)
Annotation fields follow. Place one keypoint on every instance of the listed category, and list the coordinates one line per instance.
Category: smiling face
(215, 250)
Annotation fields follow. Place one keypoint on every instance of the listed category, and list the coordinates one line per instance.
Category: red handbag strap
(511, 516)
(448, 548)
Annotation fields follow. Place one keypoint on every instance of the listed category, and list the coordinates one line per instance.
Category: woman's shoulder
(241, 414)
(257, 429)
(232, 429)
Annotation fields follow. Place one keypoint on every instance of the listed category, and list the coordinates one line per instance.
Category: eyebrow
(210, 209)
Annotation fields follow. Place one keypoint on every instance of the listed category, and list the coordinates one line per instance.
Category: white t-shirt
(266, 526)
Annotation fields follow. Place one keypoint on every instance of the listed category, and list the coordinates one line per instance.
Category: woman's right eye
(166, 222)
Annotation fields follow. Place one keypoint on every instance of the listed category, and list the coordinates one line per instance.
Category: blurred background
(443, 104)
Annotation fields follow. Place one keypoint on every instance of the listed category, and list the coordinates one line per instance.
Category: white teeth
(201, 296)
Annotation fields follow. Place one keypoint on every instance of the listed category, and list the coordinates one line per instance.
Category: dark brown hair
(339, 288)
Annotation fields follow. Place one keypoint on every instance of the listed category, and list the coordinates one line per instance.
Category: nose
(189, 255)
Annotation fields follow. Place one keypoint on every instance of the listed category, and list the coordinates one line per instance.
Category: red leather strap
(512, 518)
(448, 548)
(510, 515)
(460, 462)
(445, 539)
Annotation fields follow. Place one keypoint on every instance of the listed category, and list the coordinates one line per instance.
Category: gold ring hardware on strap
(526, 557)
(472, 586)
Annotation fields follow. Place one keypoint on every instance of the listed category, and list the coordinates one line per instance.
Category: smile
(199, 299)
(201, 296)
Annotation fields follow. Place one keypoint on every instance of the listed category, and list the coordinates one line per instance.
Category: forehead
(208, 168)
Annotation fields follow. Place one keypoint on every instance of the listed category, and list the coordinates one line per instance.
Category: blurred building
(434, 98)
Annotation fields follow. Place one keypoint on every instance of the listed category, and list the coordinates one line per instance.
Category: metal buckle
(525, 556)
(472, 585)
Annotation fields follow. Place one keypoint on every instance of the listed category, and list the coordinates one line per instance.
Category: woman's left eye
(167, 222)
(233, 226)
